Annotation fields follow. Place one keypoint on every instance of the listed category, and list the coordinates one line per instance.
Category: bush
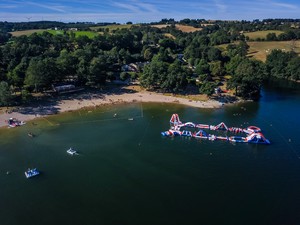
(124, 76)
(134, 75)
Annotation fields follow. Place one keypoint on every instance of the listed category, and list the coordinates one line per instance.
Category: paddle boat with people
(13, 122)
(31, 172)
(71, 151)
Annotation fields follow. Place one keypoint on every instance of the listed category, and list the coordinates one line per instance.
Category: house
(134, 67)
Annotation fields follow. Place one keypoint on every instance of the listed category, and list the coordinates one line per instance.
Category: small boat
(130, 118)
(13, 122)
(71, 151)
(31, 172)
(30, 134)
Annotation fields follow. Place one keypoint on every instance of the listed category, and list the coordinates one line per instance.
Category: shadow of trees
(48, 104)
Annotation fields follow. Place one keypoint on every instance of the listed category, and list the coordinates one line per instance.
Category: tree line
(34, 63)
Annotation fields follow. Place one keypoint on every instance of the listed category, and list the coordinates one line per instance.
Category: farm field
(183, 28)
(260, 50)
(113, 27)
(187, 29)
(26, 32)
(90, 34)
(170, 36)
(261, 34)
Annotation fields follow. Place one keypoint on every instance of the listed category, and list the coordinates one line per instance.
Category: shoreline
(88, 99)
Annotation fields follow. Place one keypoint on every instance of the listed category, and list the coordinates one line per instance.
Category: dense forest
(167, 63)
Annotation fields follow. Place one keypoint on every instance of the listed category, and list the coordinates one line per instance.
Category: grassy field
(261, 34)
(260, 50)
(90, 34)
(113, 27)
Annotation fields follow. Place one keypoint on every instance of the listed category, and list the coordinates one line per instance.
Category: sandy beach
(91, 99)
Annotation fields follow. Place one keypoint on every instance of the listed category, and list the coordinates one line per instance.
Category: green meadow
(261, 34)
(112, 27)
(90, 34)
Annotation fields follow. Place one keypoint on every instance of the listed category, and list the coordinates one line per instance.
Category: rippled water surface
(127, 173)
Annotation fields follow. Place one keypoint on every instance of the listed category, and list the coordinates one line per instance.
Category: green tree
(219, 37)
(154, 73)
(213, 54)
(17, 75)
(242, 48)
(247, 78)
(176, 78)
(5, 94)
(231, 50)
(124, 76)
(293, 68)
(202, 70)
(167, 43)
(125, 56)
(271, 37)
(148, 54)
(41, 73)
(207, 88)
(67, 64)
(277, 62)
(233, 64)
(97, 71)
(216, 68)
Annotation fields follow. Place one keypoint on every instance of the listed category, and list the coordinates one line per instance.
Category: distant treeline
(34, 63)
(14, 26)
(240, 25)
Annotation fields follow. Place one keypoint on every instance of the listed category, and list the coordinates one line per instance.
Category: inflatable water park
(251, 134)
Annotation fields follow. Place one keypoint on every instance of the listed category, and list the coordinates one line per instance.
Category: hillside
(90, 34)
(112, 27)
(261, 34)
(26, 32)
(260, 50)
(183, 28)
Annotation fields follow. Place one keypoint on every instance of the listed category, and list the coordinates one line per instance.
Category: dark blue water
(126, 173)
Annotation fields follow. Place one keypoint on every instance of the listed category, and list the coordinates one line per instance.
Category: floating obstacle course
(251, 134)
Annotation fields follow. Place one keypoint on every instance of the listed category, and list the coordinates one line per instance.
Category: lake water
(127, 173)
